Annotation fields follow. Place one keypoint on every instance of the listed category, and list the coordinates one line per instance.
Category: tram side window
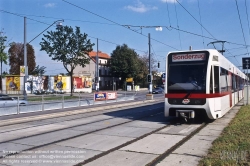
(233, 83)
(242, 82)
(216, 79)
(211, 81)
(237, 82)
(223, 80)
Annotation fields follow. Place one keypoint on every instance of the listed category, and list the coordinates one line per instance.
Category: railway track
(114, 120)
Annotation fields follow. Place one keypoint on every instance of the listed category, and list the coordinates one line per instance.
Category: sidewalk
(192, 151)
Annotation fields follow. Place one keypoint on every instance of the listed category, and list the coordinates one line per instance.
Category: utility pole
(25, 61)
(149, 51)
(97, 69)
(247, 80)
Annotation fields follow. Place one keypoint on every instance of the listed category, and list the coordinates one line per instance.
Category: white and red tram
(201, 83)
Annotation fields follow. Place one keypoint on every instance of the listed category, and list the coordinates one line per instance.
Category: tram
(201, 83)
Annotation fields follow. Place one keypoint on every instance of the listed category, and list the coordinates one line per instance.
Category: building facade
(106, 80)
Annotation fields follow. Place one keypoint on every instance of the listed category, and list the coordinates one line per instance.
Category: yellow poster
(64, 81)
(60, 82)
(12, 83)
(22, 70)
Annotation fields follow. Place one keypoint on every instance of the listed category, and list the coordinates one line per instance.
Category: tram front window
(186, 78)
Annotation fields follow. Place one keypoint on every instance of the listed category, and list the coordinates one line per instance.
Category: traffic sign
(129, 79)
(246, 63)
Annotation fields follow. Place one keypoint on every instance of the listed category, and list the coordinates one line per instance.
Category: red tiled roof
(93, 54)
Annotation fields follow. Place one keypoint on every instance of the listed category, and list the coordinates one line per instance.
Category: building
(106, 80)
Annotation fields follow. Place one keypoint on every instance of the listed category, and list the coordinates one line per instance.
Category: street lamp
(25, 51)
(97, 68)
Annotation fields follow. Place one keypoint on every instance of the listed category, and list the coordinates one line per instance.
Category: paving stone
(95, 142)
(49, 137)
(54, 155)
(14, 127)
(111, 122)
(145, 124)
(85, 120)
(197, 146)
(29, 131)
(212, 129)
(179, 129)
(125, 131)
(12, 147)
(180, 160)
(154, 144)
(122, 158)
(88, 127)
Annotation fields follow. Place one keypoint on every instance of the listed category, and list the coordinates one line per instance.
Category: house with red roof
(105, 78)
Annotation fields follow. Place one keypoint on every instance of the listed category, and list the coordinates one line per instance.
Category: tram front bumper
(187, 114)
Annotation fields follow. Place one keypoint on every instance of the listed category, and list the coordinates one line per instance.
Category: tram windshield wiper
(196, 87)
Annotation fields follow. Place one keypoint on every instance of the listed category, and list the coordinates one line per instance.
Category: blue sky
(200, 22)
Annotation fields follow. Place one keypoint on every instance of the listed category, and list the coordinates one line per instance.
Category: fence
(59, 101)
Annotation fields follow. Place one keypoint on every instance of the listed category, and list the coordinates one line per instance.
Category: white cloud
(50, 5)
(140, 7)
(168, 1)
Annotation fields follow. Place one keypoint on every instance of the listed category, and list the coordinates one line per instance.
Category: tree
(68, 47)
(38, 70)
(3, 55)
(144, 68)
(16, 58)
(124, 62)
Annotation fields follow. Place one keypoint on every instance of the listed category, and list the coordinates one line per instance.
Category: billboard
(38, 83)
(100, 96)
(12, 83)
(60, 82)
(82, 82)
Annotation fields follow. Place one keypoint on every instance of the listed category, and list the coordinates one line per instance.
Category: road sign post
(245, 65)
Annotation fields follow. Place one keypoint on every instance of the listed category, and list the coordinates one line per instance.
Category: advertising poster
(22, 70)
(111, 95)
(82, 82)
(12, 83)
(37, 83)
(100, 96)
(60, 82)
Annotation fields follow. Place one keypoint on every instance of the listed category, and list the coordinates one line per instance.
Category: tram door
(215, 87)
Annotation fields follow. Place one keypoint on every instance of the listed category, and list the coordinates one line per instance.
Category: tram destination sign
(245, 63)
(188, 57)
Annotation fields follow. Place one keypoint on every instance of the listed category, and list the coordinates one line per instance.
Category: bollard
(18, 107)
(79, 100)
(42, 103)
(62, 101)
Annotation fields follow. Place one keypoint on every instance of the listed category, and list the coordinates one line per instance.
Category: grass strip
(233, 146)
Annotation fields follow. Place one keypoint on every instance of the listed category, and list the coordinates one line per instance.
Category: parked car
(158, 90)
(3, 95)
(11, 101)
